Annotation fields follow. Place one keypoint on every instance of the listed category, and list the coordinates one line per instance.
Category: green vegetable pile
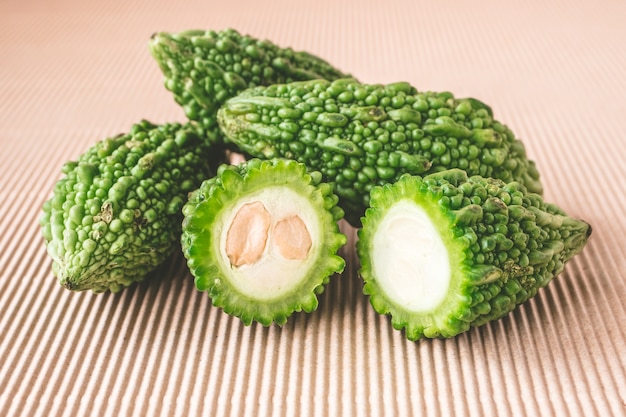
(453, 231)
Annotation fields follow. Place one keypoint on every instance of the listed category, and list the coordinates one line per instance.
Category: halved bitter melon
(445, 252)
(262, 239)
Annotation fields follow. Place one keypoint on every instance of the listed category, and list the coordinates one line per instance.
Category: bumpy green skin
(204, 68)
(504, 243)
(116, 213)
(361, 135)
(217, 196)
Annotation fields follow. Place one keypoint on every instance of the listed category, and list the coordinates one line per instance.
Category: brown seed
(247, 234)
(292, 238)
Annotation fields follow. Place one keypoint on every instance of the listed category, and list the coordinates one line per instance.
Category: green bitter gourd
(262, 239)
(362, 135)
(445, 252)
(204, 68)
(116, 214)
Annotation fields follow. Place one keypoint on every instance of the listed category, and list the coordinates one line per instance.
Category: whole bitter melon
(262, 239)
(116, 214)
(204, 68)
(362, 135)
(445, 252)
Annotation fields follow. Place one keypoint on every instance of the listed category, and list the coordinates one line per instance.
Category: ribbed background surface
(75, 72)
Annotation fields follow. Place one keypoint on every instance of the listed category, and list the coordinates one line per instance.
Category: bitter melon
(361, 135)
(204, 68)
(262, 239)
(116, 214)
(445, 252)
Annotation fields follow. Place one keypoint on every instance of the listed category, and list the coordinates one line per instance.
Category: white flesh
(272, 275)
(410, 261)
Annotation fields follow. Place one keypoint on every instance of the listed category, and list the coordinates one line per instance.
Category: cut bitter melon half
(262, 239)
(446, 252)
